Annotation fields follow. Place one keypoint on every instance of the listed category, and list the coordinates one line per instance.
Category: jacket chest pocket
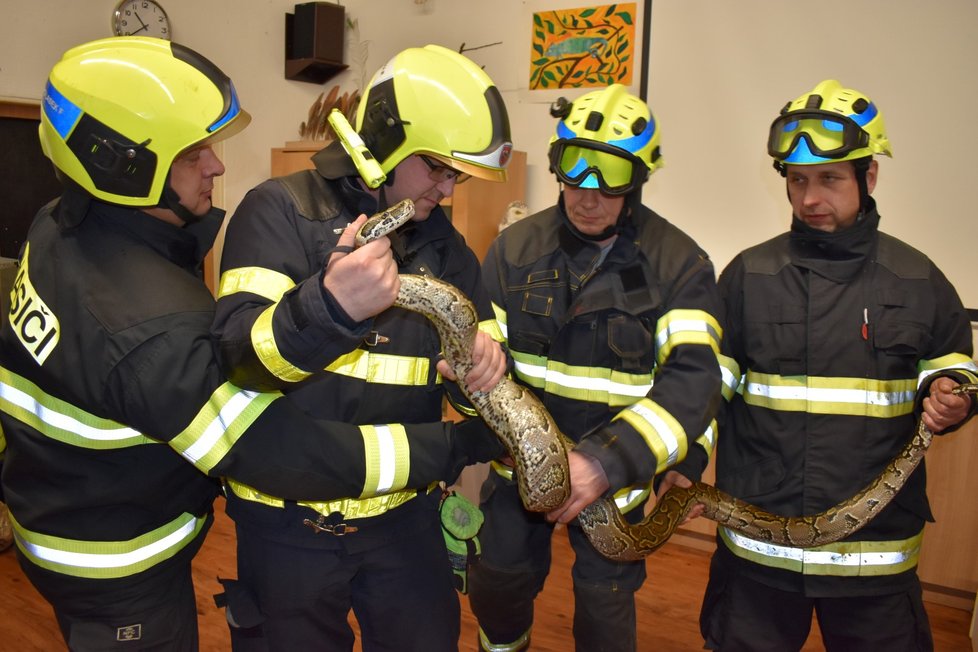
(631, 340)
(899, 333)
(775, 338)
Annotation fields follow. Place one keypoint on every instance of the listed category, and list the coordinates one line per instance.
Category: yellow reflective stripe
(382, 368)
(708, 439)
(501, 320)
(388, 459)
(678, 327)
(731, 376)
(594, 384)
(348, 507)
(492, 328)
(60, 420)
(266, 348)
(958, 361)
(661, 431)
(264, 282)
(514, 646)
(107, 559)
(502, 469)
(629, 498)
(247, 492)
(827, 395)
(845, 559)
(219, 423)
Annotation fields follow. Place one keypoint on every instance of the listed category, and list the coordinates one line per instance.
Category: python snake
(539, 449)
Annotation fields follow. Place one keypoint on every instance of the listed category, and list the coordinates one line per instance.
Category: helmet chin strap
(171, 201)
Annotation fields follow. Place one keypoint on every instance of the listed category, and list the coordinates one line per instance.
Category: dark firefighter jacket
(379, 371)
(624, 349)
(118, 417)
(830, 337)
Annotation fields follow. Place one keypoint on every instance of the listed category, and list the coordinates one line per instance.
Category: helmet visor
(591, 164)
(827, 134)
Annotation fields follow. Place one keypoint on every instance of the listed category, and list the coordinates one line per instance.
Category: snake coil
(539, 449)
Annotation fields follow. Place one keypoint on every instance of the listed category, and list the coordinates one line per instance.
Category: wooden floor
(668, 604)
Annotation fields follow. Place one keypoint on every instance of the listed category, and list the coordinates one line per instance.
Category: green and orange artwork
(583, 48)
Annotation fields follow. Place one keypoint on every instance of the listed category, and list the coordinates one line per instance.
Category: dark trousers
(514, 565)
(154, 611)
(741, 614)
(294, 597)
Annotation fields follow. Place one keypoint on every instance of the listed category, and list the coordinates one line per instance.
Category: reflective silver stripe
(59, 420)
(830, 395)
(686, 326)
(846, 558)
(596, 384)
(228, 413)
(231, 410)
(387, 455)
(107, 559)
(662, 428)
(945, 363)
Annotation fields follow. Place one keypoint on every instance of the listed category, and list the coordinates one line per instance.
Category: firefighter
(599, 296)
(117, 415)
(832, 329)
(429, 119)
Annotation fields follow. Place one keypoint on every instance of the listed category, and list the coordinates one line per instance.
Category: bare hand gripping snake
(539, 449)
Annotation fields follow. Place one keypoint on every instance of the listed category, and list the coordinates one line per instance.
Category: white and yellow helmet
(436, 102)
(118, 111)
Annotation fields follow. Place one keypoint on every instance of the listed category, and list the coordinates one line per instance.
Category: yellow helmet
(827, 125)
(436, 102)
(118, 111)
(605, 139)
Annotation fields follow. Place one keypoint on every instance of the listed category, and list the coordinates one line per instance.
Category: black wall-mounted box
(314, 38)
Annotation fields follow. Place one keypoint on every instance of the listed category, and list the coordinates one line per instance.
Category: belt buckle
(331, 525)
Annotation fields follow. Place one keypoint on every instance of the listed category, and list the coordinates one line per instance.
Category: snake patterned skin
(539, 449)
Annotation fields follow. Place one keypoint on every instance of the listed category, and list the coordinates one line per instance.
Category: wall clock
(141, 18)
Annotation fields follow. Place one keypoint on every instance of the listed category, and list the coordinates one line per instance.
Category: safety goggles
(440, 173)
(827, 134)
(590, 164)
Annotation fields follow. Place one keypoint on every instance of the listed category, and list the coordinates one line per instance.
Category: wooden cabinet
(476, 207)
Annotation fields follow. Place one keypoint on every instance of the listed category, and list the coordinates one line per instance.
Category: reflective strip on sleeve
(629, 498)
(493, 329)
(382, 368)
(827, 395)
(501, 321)
(844, 559)
(708, 440)
(107, 559)
(678, 327)
(661, 431)
(61, 421)
(732, 378)
(593, 384)
(946, 363)
(265, 283)
(266, 348)
(388, 459)
(219, 423)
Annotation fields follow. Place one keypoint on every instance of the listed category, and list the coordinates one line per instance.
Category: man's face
(192, 178)
(415, 180)
(826, 196)
(590, 210)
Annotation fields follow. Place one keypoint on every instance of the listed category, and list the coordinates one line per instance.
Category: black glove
(474, 442)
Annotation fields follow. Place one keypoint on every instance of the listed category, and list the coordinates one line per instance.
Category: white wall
(719, 72)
